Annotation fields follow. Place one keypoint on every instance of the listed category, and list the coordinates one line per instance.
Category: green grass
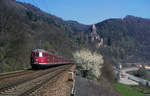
(141, 88)
(147, 79)
(126, 90)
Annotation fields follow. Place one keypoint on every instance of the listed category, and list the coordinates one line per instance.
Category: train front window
(39, 54)
(36, 54)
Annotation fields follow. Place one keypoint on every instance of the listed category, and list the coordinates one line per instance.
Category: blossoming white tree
(89, 61)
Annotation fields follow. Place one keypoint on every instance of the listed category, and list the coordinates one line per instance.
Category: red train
(41, 58)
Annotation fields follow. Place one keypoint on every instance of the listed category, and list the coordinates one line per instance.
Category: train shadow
(45, 67)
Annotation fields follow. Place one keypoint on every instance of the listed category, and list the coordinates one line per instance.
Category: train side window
(43, 54)
(52, 57)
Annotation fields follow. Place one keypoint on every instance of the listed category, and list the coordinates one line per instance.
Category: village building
(119, 65)
(138, 65)
(147, 66)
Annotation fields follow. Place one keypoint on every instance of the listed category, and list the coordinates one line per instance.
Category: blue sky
(93, 11)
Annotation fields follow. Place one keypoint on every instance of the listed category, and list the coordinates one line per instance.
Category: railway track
(25, 85)
(15, 74)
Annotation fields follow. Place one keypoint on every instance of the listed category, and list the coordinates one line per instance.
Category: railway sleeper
(26, 88)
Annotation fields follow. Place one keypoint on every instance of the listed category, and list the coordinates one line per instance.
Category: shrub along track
(27, 84)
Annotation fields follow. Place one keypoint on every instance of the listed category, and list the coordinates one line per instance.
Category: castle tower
(93, 33)
(94, 30)
(95, 38)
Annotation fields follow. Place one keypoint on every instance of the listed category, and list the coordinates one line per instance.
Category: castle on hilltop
(95, 38)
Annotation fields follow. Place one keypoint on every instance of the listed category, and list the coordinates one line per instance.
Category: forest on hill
(129, 38)
(24, 27)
